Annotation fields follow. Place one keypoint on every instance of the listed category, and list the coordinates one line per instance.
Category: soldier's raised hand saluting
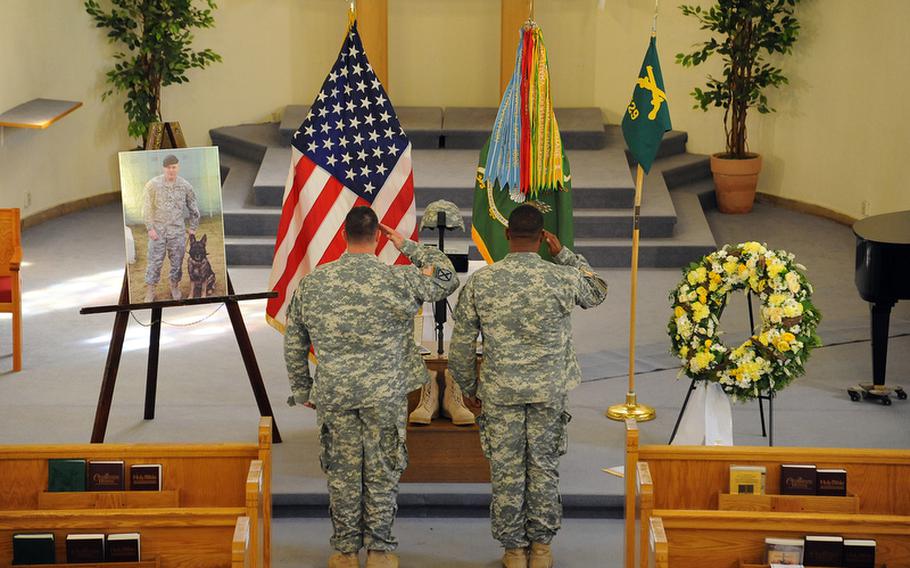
(393, 235)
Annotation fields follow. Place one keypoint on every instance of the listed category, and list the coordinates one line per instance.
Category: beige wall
(833, 143)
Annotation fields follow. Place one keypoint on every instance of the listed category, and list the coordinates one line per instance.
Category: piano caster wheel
(901, 393)
(853, 396)
(886, 401)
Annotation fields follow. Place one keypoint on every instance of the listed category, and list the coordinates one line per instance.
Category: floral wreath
(776, 354)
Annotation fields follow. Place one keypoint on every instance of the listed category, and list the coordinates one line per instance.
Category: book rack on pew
(684, 523)
(207, 488)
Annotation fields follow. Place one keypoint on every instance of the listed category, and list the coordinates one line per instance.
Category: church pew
(724, 539)
(241, 554)
(235, 478)
(196, 537)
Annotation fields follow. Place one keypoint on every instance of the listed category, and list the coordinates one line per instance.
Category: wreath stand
(170, 135)
(766, 433)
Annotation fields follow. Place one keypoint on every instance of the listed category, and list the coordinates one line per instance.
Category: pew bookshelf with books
(190, 523)
(685, 488)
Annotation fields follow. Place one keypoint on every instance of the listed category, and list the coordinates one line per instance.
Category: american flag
(349, 151)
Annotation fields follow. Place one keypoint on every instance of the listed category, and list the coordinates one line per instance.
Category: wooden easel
(123, 308)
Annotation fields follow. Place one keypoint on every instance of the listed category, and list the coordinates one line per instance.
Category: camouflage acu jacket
(358, 313)
(169, 204)
(522, 306)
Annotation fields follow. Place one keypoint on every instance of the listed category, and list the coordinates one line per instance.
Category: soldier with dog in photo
(168, 203)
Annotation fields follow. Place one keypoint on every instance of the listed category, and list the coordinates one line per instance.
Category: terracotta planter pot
(735, 181)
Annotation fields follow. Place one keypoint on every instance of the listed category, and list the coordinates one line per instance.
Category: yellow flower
(782, 345)
(742, 268)
(679, 312)
(793, 310)
(777, 299)
(788, 337)
(754, 248)
(701, 360)
(775, 268)
(684, 351)
(697, 275)
(763, 338)
(792, 279)
(730, 266)
(699, 311)
(702, 294)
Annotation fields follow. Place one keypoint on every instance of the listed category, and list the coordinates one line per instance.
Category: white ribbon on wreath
(708, 419)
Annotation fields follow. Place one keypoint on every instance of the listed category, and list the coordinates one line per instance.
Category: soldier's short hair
(360, 224)
(526, 222)
(170, 160)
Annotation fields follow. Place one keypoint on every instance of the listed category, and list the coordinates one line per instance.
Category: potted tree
(743, 34)
(157, 36)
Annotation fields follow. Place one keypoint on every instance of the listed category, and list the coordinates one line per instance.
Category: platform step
(469, 128)
(600, 178)
(248, 141)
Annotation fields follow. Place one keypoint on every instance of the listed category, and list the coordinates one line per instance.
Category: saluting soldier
(166, 203)
(358, 314)
(522, 306)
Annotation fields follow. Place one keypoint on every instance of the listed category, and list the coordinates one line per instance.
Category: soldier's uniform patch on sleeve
(443, 274)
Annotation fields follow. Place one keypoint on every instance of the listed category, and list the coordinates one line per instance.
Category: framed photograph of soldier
(173, 224)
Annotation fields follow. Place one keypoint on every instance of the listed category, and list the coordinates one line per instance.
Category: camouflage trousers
(523, 443)
(363, 455)
(171, 241)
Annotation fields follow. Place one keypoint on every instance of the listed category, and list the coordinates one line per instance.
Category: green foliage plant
(742, 33)
(156, 39)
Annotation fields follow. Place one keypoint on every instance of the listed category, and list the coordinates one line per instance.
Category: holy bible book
(145, 477)
(122, 547)
(797, 479)
(84, 548)
(105, 476)
(823, 551)
(37, 548)
(859, 553)
(831, 482)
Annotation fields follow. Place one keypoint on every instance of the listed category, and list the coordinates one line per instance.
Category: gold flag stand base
(631, 409)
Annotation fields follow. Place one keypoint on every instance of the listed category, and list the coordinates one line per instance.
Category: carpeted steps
(673, 227)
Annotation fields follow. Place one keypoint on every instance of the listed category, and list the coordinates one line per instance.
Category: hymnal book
(797, 479)
(122, 547)
(831, 482)
(145, 477)
(823, 551)
(35, 548)
(859, 553)
(105, 476)
(787, 551)
(65, 475)
(747, 479)
(84, 548)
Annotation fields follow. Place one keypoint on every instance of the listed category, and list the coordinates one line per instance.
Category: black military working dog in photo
(199, 268)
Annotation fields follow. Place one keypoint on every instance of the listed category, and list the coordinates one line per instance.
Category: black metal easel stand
(766, 433)
(121, 319)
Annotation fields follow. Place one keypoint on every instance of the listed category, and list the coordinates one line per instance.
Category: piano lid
(890, 228)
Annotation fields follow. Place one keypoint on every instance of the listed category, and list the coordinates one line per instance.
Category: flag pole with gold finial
(631, 408)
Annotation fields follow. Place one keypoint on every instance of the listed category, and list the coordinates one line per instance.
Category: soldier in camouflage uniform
(166, 201)
(358, 314)
(522, 305)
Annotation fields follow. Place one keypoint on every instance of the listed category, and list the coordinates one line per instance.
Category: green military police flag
(524, 160)
(647, 116)
(493, 205)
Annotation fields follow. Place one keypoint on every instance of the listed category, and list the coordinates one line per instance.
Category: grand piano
(882, 278)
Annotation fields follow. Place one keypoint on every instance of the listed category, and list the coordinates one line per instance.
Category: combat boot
(341, 560)
(541, 556)
(453, 404)
(380, 559)
(149, 293)
(515, 558)
(428, 407)
(175, 290)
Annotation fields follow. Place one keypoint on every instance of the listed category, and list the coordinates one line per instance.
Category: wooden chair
(10, 290)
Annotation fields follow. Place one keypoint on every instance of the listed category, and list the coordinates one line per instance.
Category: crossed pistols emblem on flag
(658, 96)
